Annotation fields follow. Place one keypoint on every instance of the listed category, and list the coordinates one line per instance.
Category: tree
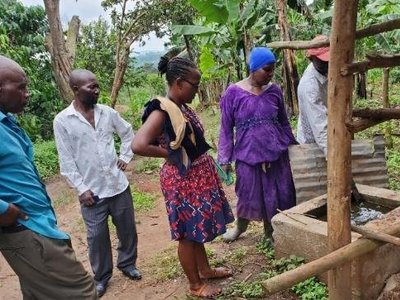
(132, 25)
(96, 52)
(22, 34)
(62, 50)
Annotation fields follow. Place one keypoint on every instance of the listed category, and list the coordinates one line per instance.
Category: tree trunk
(386, 104)
(121, 63)
(290, 75)
(340, 89)
(361, 85)
(61, 59)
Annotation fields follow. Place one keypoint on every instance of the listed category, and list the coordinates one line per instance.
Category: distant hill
(147, 57)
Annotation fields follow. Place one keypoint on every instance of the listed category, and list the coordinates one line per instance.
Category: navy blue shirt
(20, 182)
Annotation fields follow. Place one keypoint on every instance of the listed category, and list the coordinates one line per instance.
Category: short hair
(76, 76)
(175, 67)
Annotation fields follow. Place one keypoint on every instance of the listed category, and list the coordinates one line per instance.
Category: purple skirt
(260, 193)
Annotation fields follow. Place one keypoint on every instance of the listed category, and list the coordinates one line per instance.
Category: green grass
(148, 165)
(143, 201)
(166, 266)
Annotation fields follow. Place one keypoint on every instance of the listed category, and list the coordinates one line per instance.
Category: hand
(121, 164)
(227, 168)
(87, 198)
(10, 217)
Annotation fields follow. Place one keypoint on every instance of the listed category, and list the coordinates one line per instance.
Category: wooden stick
(325, 263)
(379, 236)
(379, 113)
(373, 61)
(362, 124)
(368, 31)
(378, 28)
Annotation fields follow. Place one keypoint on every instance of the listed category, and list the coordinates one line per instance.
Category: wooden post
(386, 104)
(290, 75)
(332, 260)
(339, 142)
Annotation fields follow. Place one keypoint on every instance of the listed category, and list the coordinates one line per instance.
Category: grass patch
(165, 265)
(147, 165)
(64, 198)
(143, 201)
(306, 290)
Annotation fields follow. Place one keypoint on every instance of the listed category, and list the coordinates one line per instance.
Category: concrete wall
(298, 234)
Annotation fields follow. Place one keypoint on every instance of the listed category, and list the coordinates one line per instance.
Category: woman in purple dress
(255, 133)
(197, 208)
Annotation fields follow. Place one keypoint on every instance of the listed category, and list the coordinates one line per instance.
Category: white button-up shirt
(87, 154)
(312, 92)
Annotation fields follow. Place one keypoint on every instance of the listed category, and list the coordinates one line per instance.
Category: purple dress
(255, 132)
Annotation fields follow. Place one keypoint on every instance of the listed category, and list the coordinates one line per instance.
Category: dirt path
(155, 249)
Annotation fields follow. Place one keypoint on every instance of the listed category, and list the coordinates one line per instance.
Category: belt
(12, 228)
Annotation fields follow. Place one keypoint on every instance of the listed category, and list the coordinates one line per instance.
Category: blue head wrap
(259, 57)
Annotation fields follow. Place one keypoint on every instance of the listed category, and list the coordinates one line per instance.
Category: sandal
(218, 273)
(205, 291)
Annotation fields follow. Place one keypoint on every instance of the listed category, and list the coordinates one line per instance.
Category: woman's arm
(226, 140)
(143, 143)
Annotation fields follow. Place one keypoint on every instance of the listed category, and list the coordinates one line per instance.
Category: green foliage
(22, 38)
(147, 165)
(96, 52)
(46, 158)
(245, 290)
(166, 265)
(311, 289)
(143, 201)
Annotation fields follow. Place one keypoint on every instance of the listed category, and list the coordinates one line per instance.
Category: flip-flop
(219, 273)
(201, 292)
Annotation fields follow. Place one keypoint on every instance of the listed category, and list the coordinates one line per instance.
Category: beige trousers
(46, 268)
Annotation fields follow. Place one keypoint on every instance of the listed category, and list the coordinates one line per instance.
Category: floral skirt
(196, 203)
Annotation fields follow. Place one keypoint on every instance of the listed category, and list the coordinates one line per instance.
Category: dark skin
(86, 92)
(192, 255)
(256, 83)
(320, 65)
(13, 99)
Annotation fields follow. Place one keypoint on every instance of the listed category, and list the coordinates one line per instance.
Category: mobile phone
(96, 198)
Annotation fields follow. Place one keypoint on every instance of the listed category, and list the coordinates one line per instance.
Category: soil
(154, 242)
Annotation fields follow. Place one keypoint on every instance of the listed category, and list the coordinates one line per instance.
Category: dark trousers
(47, 268)
(120, 208)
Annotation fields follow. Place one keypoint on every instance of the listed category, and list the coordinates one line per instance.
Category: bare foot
(216, 273)
(205, 291)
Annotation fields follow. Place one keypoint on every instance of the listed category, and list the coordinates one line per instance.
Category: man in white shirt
(84, 138)
(312, 94)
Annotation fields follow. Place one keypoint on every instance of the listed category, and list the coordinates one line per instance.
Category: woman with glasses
(255, 133)
(197, 208)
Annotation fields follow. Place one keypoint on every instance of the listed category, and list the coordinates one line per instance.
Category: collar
(8, 116)
(71, 111)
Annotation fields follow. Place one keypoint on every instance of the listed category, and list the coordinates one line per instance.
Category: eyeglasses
(194, 85)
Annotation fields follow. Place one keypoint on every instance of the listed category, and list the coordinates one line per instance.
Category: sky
(90, 10)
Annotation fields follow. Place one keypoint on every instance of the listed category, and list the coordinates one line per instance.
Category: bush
(46, 158)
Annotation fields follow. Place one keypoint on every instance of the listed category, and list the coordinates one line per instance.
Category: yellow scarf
(179, 123)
